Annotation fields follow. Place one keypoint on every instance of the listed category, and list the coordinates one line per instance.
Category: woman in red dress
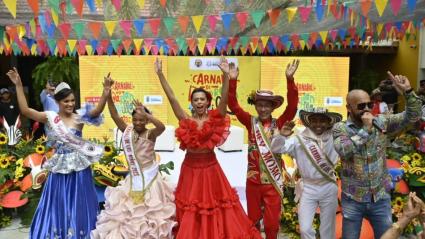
(206, 206)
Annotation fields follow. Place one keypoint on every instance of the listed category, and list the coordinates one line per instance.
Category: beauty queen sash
(274, 171)
(140, 180)
(318, 158)
(62, 133)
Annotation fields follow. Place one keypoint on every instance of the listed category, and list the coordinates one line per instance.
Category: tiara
(61, 86)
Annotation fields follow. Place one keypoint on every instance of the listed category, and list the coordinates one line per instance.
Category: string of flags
(46, 35)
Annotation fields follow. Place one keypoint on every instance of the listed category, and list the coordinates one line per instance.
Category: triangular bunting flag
(365, 6)
(52, 45)
(244, 41)
(395, 6)
(191, 42)
(79, 29)
(241, 17)
(212, 42)
(89, 50)
(94, 43)
(319, 11)
(257, 16)
(201, 45)
(82, 46)
(78, 6)
(126, 27)
(169, 23)
(117, 4)
(274, 15)
(65, 29)
(51, 31)
(96, 28)
(92, 6)
(342, 33)
(275, 40)
(291, 11)
(411, 5)
(163, 3)
(71, 45)
(55, 17)
(314, 36)
(138, 25)
(197, 22)
(183, 22)
(304, 13)
(148, 44)
(227, 20)
(254, 43)
(11, 6)
(110, 27)
(154, 23)
(212, 21)
(295, 38)
(305, 36)
(379, 28)
(115, 44)
(32, 26)
(137, 44)
(34, 6)
(324, 35)
(127, 44)
(264, 40)
(380, 6)
(141, 3)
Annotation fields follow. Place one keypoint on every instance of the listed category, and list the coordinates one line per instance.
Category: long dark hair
(62, 94)
(207, 93)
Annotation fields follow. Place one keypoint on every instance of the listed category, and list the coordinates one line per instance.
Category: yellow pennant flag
(302, 43)
(71, 45)
(323, 35)
(11, 6)
(264, 40)
(55, 17)
(34, 50)
(161, 50)
(201, 44)
(1, 49)
(380, 6)
(6, 42)
(89, 50)
(140, 2)
(21, 31)
(110, 27)
(352, 18)
(291, 11)
(33, 27)
(379, 28)
(138, 44)
(243, 50)
(253, 47)
(56, 51)
(197, 22)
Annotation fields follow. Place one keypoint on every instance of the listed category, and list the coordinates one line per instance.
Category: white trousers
(326, 198)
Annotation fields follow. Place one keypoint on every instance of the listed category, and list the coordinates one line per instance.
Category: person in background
(379, 106)
(46, 97)
(421, 91)
(362, 147)
(8, 107)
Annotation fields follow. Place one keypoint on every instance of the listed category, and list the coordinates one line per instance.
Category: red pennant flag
(116, 3)
(275, 40)
(82, 46)
(254, 43)
(61, 44)
(304, 13)
(127, 43)
(65, 29)
(34, 6)
(334, 34)
(352, 31)
(212, 20)
(191, 43)
(295, 38)
(183, 22)
(126, 27)
(314, 36)
(96, 28)
(395, 6)
(102, 47)
(78, 5)
(154, 23)
(242, 17)
(333, 8)
(12, 31)
(233, 41)
(163, 3)
(212, 42)
(365, 6)
(274, 15)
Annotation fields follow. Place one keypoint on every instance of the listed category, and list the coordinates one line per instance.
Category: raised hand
(158, 66)
(14, 76)
(287, 128)
(108, 82)
(233, 71)
(401, 83)
(139, 106)
(291, 69)
(224, 65)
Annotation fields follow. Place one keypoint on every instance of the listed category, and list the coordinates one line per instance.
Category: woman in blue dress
(68, 206)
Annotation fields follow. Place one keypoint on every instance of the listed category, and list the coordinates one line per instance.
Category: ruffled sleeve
(213, 133)
(84, 114)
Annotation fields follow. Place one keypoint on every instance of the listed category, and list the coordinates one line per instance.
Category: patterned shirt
(364, 174)
(257, 172)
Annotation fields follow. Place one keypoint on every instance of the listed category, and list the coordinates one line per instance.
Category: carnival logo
(333, 101)
(208, 63)
(152, 100)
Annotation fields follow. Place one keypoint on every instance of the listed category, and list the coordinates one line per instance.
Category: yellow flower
(3, 139)
(4, 161)
(398, 201)
(19, 172)
(20, 162)
(416, 156)
(405, 158)
(288, 216)
(108, 150)
(416, 163)
(285, 201)
(39, 149)
(406, 167)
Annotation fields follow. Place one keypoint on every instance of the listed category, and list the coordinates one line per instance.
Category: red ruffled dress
(207, 207)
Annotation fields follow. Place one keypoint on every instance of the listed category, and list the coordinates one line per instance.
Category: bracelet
(396, 227)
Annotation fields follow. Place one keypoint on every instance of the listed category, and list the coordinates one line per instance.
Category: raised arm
(229, 71)
(22, 101)
(114, 114)
(159, 126)
(291, 95)
(177, 109)
(107, 85)
(281, 143)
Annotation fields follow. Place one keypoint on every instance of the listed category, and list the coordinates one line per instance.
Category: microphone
(378, 127)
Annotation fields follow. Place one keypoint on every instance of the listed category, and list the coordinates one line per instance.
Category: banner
(134, 77)
(321, 81)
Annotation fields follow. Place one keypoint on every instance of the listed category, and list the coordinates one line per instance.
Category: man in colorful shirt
(361, 143)
(264, 186)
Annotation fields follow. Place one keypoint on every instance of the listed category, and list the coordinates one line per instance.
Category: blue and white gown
(68, 206)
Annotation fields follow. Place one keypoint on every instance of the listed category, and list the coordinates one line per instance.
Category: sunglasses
(362, 106)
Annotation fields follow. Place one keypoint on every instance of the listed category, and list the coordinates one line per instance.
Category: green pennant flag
(182, 44)
(169, 23)
(16, 49)
(69, 8)
(305, 36)
(79, 28)
(1, 33)
(244, 41)
(360, 31)
(257, 16)
(54, 4)
(115, 43)
(52, 45)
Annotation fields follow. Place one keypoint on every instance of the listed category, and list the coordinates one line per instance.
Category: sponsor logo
(333, 101)
(208, 63)
(152, 100)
